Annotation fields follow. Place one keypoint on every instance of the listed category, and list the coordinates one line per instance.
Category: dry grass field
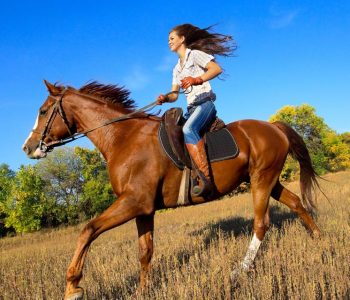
(196, 248)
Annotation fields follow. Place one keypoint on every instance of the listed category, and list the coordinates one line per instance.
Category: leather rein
(58, 109)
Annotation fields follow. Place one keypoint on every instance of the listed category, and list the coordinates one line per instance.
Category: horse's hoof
(78, 294)
(235, 274)
(316, 234)
(238, 272)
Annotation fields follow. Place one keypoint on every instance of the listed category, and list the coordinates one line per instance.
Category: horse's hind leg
(124, 209)
(261, 185)
(285, 196)
(145, 226)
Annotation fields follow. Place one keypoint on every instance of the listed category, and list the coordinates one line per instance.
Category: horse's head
(52, 124)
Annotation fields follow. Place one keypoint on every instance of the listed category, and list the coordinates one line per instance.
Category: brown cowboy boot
(199, 157)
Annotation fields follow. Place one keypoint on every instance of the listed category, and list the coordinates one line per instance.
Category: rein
(57, 108)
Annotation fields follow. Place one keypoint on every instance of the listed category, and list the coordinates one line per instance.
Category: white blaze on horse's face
(34, 128)
(37, 153)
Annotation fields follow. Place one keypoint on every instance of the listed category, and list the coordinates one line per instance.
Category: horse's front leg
(145, 227)
(127, 207)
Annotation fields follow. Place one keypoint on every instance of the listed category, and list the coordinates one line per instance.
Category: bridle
(58, 110)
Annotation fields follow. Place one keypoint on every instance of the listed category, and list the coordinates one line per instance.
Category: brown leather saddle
(220, 144)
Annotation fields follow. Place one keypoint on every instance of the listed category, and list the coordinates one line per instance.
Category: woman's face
(175, 41)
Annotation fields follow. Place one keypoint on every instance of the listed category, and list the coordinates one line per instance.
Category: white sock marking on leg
(251, 253)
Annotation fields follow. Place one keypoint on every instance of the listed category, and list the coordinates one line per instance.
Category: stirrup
(203, 188)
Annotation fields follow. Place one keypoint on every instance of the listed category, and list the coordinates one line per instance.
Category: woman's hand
(162, 99)
(189, 81)
(213, 70)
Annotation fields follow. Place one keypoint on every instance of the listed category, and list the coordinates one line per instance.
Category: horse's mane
(113, 94)
(110, 93)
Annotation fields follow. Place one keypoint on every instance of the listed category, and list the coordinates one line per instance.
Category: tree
(7, 178)
(61, 172)
(24, 206)
(328, 151)
(346, 138)
(70, 185)
(337, 151)
(97, 191)
(304, 120)
(76, 185)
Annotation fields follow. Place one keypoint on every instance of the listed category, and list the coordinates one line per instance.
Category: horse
(143, 177)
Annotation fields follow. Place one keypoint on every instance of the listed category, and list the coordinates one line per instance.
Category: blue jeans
(199, 119)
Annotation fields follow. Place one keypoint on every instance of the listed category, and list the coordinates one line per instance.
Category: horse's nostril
(26, 149)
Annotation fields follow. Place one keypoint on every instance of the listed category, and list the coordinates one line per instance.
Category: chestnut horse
(145, 179)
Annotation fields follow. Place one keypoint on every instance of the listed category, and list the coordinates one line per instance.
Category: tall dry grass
(196, 248)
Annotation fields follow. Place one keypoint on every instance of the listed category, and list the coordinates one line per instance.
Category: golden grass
(196, 248)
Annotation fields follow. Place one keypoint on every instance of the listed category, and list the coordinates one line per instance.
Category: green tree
(97, 191)
(70, 185)
(346, 138)
(304, 120)
(7, 178)
(328, 151)
(24, 206)
(337, 151)
(76, 184)
(61, 172)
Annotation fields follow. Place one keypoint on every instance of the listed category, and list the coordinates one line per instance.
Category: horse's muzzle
(36, 154)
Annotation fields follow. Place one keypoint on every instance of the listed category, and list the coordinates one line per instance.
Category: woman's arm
(213, 70)
(171, 97)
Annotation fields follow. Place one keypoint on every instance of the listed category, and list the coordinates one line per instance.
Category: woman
(196, 66)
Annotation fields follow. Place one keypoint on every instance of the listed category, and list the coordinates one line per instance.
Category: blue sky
(289, 53)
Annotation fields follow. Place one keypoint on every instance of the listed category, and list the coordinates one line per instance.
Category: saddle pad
(220, 146)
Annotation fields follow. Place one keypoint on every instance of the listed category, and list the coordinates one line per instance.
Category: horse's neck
(89, 115)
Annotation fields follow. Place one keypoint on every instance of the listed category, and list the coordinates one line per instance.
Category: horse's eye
(43, 112)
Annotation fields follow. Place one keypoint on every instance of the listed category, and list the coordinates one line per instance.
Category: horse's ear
(54, 91)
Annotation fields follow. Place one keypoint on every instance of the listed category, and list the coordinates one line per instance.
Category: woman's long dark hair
(206, 41)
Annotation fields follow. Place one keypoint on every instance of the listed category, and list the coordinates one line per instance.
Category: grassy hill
(196, 248)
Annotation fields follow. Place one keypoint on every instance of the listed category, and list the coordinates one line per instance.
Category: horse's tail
(308, 175)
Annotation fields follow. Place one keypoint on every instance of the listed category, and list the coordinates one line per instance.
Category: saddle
(220, 144)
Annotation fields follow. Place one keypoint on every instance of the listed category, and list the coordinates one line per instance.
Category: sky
(289, 53)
